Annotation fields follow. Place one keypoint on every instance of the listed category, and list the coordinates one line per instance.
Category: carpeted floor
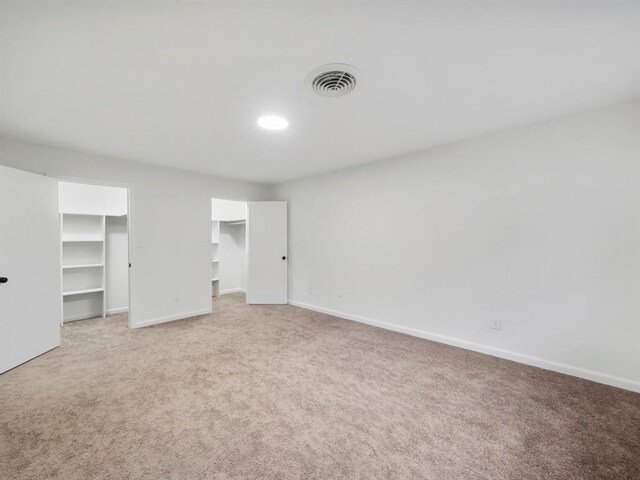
(276, 392)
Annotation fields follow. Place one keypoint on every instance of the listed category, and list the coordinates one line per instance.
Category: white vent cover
(333, 80)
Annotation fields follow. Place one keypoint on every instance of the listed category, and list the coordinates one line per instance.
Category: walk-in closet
(228, 247)
(94, 248)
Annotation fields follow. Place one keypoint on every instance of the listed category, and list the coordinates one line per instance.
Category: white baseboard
(171, 318)
(476, 347)
(233, 290)
(82, 316)
(113, 311)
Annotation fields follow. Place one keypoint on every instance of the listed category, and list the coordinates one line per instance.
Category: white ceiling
(181, 83)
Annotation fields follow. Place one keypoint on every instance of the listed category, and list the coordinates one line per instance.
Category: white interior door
(267, 252)
(30, 298)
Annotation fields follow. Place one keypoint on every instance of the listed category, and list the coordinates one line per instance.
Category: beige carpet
(277, 392)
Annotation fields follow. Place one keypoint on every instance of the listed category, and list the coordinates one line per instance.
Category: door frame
(133, 287)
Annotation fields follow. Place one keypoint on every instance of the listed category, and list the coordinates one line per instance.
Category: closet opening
(249, 251)
(228, 247)
(94, 250)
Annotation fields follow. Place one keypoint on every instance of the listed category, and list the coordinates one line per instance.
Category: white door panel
(267, 253)
(30, 303)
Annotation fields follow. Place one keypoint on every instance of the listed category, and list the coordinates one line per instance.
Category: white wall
(91, 199)
(538, 227)
(228, 210)
(170, 223)
(117, 264)
(233, 258)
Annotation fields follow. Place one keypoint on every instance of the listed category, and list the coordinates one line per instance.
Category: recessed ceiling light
(273, 122)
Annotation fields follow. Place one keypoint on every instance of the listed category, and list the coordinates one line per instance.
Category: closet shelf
(80, 292)
(81, 240)
(89, 265)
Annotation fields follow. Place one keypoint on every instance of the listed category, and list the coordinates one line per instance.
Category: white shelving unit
(215, 262)
(82, 250)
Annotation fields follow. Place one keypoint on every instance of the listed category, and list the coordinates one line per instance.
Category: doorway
(249, 250)
(94, 250)
(228, 247)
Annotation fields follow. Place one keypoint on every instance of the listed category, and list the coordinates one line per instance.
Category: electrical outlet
(175, 298)
(496, 324)
(310, 290)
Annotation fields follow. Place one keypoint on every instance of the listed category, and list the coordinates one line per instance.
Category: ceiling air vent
(333, 80)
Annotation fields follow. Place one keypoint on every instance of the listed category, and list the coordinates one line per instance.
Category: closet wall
(94, 249)
(117, 264)
(170, 254)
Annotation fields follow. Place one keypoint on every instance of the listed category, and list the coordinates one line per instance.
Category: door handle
(284, 258)
(4, 279)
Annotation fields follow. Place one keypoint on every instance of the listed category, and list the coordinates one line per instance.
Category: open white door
(30, 303)
(267, 252)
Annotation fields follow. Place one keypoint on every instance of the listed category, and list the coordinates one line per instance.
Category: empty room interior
(323, 240)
